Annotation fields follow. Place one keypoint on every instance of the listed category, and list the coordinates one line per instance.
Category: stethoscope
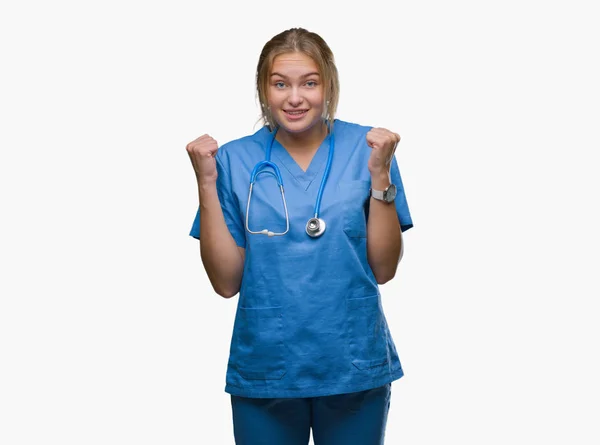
(315, 225)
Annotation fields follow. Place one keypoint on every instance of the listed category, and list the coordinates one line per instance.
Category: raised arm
(223, 260)
(384, 236)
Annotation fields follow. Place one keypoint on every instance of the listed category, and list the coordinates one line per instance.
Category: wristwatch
(388, 195)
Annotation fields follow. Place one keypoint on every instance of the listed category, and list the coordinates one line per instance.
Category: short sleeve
(400, 201)
(229, 205)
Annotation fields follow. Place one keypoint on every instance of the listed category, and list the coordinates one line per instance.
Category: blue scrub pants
(357, 418)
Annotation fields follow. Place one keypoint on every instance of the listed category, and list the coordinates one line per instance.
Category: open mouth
(295, 114)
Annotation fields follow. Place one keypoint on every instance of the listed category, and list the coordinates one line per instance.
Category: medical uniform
(309, 319)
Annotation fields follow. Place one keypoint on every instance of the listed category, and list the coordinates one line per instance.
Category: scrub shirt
(309, 320)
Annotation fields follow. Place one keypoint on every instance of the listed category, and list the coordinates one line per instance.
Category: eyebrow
(304, 75)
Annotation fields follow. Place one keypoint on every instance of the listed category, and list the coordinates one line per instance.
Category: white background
(109, 330)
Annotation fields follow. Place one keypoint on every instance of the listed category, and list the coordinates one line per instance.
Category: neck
(311, 138)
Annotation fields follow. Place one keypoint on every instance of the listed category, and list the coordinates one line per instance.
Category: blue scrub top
(309, 319)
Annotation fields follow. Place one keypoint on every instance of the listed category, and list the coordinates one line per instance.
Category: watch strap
(377, 194)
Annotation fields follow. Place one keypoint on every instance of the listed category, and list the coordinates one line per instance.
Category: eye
(311, 83)
(279, 84)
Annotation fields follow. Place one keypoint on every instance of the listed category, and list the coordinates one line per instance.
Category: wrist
(206, 182)
(380, 180)
(207, 187)
(207, 196)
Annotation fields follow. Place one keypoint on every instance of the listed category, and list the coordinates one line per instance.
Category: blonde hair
(311, 44)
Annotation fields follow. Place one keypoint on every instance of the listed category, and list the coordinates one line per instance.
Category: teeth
(295, 112)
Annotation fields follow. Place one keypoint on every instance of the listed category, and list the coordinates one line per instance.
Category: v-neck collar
(317, 163)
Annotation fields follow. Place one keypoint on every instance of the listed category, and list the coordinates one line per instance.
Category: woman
(306, 246)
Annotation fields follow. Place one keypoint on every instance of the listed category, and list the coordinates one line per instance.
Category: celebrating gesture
(304, 220)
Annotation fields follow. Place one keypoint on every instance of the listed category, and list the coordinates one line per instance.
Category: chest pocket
(355, 205)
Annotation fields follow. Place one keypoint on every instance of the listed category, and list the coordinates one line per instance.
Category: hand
(202, 153)
(383, 143)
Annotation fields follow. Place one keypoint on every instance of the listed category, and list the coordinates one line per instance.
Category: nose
(295, 98)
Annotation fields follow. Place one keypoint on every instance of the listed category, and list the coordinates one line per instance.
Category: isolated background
(109, 330)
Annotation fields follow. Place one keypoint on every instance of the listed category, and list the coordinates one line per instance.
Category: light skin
(223, 260)
(384, 237)
(296, 99)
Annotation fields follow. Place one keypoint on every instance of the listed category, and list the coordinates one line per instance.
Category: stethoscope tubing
(325, 175)
(274, 170)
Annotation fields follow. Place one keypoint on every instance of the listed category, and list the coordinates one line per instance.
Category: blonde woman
(304, 219)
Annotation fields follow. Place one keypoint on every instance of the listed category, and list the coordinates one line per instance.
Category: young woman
(304, 219)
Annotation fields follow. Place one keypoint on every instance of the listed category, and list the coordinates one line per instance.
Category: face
(295, 93)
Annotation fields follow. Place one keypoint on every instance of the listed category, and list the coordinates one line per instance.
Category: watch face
(390, 193)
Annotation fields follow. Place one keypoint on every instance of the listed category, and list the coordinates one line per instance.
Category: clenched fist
(202, 153)
(383, 143)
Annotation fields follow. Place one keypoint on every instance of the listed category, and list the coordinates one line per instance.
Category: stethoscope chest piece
(315, 227)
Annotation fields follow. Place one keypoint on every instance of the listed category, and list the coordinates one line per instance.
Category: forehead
(293, 62)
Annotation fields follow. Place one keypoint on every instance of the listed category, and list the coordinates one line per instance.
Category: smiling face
(295, 93)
